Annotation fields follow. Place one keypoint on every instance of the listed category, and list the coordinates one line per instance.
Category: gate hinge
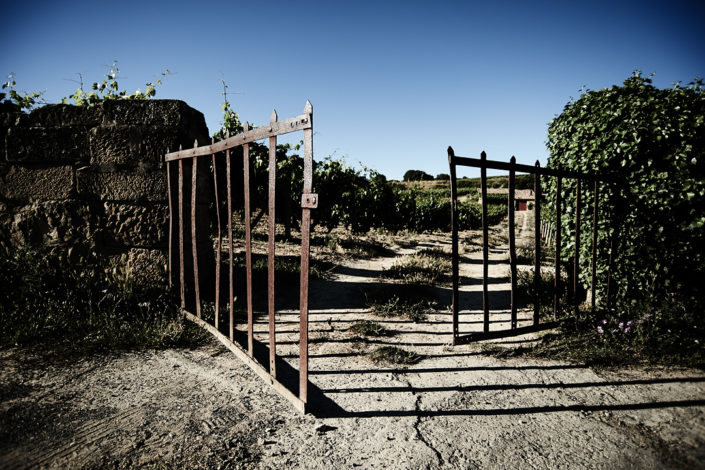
(309, 201)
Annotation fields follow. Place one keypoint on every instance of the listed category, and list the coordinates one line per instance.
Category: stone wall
(93, 179)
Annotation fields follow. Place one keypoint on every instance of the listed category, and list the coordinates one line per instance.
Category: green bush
(653, 140)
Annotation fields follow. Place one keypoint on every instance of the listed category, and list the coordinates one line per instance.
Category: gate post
(454, 238)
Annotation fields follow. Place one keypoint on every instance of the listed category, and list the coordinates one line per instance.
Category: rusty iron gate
(215, 151)
(512, 167)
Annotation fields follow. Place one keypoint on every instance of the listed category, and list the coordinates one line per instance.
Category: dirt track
(456, 408)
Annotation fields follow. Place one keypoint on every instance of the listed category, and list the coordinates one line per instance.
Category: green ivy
(654, 141)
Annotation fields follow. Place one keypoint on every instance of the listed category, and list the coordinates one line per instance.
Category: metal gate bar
(309, 201)
(512, 167)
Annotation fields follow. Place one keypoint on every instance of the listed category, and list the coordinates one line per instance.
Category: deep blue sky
(392, 83)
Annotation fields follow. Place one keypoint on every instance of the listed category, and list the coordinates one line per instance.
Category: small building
(522, 197)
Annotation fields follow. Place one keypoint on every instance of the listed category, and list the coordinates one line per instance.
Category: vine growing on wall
(23, 101)
(105, 90)
(109, 89)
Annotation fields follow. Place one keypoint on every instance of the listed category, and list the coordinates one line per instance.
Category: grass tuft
(394, 355)
(368, 328)
(427, 267)
(401, 300)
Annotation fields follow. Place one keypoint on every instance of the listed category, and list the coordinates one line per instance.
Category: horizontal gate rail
(309, 201)
(540, 229)
(297, 123)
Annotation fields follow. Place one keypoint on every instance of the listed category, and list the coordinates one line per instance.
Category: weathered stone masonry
(77, 179)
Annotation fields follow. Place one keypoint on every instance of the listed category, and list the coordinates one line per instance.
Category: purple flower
(600, 330)
(603, 322)
(621, 325)
(626, 330)
(629, 323)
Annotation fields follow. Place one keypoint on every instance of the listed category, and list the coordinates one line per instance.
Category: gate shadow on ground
(341, 295)
(329, 409)
(333, 411)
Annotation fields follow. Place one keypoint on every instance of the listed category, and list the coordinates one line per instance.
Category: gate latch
(309, 201)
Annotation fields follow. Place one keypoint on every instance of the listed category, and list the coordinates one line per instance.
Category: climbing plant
(109, 89)
(653, 142)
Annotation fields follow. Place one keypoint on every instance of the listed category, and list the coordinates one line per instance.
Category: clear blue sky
(393, 84)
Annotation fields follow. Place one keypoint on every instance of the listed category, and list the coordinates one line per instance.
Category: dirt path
(455, 408)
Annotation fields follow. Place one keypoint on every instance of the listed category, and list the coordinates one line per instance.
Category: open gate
(512, 167)
(189, 161)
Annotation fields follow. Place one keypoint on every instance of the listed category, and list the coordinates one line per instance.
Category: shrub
(651, 139)
(417, 175)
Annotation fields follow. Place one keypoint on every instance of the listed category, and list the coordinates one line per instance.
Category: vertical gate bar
(305, 233)
(248, 247)
(194, 246)
(576, 258)
(271, 216)
(512, 244)
(181, 232)
(537, 243)
(609, 272)
(454, 240)
(231, 303)
(594, 250)
(613, 257)
(171, 217)
(219, 242)
(557, 278)
(616, 217)
(485, 249)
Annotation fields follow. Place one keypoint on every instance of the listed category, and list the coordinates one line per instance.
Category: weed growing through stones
(394, 355)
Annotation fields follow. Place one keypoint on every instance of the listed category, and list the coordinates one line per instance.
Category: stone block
(81, 116)
(52, 223)
(21, 183)
(46, 144)
(129, 145)
(64, 115)
(135, 225)
(172, 113)
(132, 186)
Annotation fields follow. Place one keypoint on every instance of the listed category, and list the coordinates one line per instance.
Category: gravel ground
(455, 408)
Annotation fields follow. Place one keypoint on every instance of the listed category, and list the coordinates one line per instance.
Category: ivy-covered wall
(93, 178)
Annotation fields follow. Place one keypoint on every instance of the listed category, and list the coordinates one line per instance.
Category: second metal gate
(512, 167)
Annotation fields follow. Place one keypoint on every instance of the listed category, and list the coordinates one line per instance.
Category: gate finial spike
(273, 117)
(195, 143)
(483, 155)
(308, 109)
(179, 147)
(513, 160)
(537, 163)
